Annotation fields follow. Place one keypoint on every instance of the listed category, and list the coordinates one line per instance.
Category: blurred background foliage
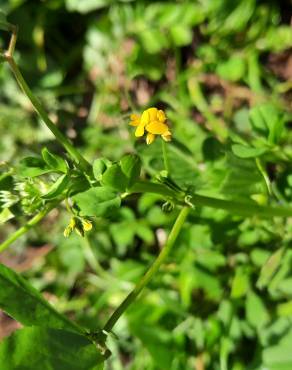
(222, 70)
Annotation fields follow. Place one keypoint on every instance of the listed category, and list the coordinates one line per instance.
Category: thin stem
(74, 153)
(264, 174)
(151, 272)
(12, 42)
(165, 156)
(21, 231)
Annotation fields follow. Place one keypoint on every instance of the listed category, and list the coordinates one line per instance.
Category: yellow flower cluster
(153, 122)
(80, 225)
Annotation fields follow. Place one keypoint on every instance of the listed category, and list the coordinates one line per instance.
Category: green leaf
(242, 179)
(25, 304)
(114, 178)
(183, 168)
(99, 201)
(240, 283)
(279, 356)
(54, 161)
(153, 40)
(131, 167)
(181, 34)
(32, 167)
(256, 312)
(267, 119)
(5, 215)
(243, 151)
(57, 188)
(50, 349)
(233, 69)
(269, 268)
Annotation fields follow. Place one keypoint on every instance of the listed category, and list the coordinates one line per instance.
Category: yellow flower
(153, 122)
(87, 225)
(79, 224)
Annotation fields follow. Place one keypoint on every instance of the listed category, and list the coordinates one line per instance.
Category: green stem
(235, 207)
(21, 231)
(165, 156)
(151, 272)
(73, 152)
(240, 208)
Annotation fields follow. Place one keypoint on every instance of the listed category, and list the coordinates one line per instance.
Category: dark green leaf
(4, 25)
(32, 167)
(97, 201)
(49, 349)
(114, 178)
(25, 304)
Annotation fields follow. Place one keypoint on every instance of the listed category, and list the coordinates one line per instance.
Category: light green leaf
(240, 283)
(256, 312)
(5, 215)
(267, 119)
(243, 151)
(232, 69)
(269, 268)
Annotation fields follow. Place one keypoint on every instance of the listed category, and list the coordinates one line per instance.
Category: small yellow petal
(67, 231)
(152, 114)
(157, 128)
(134, 117)
(140, 130)
(161, 116)
(72, 223)
(150, 138)
(145, 118)
(87, 225)
(135, 123)
(166, 137)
